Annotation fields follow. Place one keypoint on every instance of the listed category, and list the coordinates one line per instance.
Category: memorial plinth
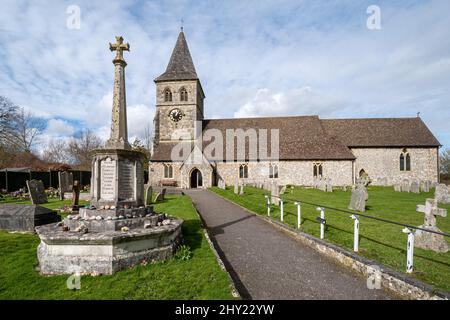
(117, 178)
(116, 230)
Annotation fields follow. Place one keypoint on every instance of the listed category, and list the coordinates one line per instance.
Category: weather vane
(182, 22)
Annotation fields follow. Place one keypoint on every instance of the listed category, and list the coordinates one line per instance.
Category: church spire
(180, 66)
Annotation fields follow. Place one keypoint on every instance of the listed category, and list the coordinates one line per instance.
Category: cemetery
(381, 242)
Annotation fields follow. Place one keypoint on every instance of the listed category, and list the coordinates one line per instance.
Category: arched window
(317, 170)
(405, 161)
(168, 171)
(273, 171)
(167, 95)
(183, 95)
(243, 171)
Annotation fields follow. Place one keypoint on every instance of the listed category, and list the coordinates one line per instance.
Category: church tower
(179, 97)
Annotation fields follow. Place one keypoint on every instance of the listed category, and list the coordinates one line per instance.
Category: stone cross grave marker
(148, 195)
(37, 191)
(428, 240)
(359, 198)
(65, 180)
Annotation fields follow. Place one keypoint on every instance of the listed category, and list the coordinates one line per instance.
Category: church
(387, 150)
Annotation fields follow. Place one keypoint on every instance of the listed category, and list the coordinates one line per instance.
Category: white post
(281, 210)
(299, 214)
(322, 222)
(355, 233)
(268, 205)
(410, 250)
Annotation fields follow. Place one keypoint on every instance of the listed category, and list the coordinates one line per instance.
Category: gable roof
(300, 138)
(381, 132)
(181, 66)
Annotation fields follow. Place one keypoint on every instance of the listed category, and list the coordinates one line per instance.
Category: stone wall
(192, 109)
(289, 172)
(381, 163)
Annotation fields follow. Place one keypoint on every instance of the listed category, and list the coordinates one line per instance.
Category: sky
(253, 58)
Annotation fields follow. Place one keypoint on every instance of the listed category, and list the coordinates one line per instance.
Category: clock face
(175, 115)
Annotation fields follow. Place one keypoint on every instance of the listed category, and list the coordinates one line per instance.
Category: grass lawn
(197, 278)
(379, 241)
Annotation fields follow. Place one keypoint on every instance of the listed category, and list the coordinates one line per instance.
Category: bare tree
(445, 161)
(148, 137)
(79, 149)
(56, 151)
(8, 112)
(26, 128)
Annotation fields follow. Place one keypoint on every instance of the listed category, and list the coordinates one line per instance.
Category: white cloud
(59, 128)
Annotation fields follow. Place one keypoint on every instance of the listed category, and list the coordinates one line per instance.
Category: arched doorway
(196, 179)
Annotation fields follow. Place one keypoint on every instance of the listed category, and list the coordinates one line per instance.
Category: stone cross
(428, 240)
(431, 211)
(119, 130)
(119, 47)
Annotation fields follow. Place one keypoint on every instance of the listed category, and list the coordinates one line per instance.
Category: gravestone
(163, 193)
(397, 188)
(148, 195)
(359, 198)
(442, 194)
(425, 186)
(76, 195)
(322, 184)
(428, 240)
(24, 217)
(275, 193)
(406, 186)
(221, 184)
(65, 180)
(159, 197)
(37, 191)
(241, 190)
(415, 187)
(283, 190)
(329, 186)
(236, 188)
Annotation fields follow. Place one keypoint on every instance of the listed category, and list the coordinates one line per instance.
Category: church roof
(180, 66)
(311, 138)
(381, 132)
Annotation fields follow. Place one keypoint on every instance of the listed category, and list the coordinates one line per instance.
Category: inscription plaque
(126, 180)
(108, 179)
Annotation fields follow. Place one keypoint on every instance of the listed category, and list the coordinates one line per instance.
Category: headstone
(76, 195)
(236, 188)
(65, 180)
(148, 195)
(397, 188)
(37, 191)
(428, 240)
(159, 197)
(221, 184)
(329, 186)
(283, 190)
(359, 198)
(275, 194)
(406, 186)
(415, 187)
(24, 217)
(322, 184)
(241, 190)
(344, 188)
(442, 194)
(163, 193)
(425, 186)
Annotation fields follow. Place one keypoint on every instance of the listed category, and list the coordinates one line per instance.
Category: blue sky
(254, 58)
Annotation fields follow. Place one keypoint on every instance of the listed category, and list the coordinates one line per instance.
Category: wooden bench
(168, 183)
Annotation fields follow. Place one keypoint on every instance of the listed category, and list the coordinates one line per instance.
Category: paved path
(265, 263)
